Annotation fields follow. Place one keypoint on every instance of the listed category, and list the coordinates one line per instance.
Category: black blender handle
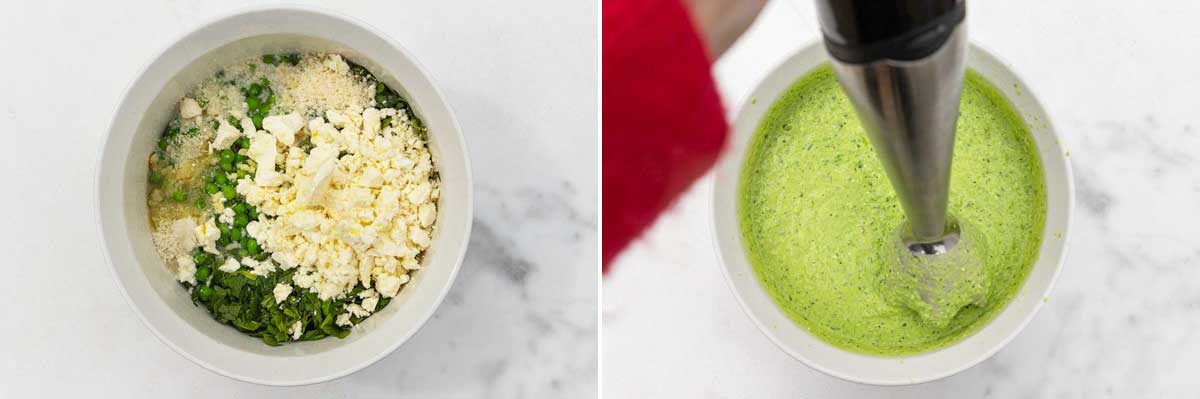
(862, 31)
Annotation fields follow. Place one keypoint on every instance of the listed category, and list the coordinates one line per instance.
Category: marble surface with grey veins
(520, 321)
(1124, 318)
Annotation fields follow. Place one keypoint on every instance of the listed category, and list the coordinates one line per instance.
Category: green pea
(257, 121)
(244, 142)
(379, 88)
(155, 177)
(211, 188)
(227, 155)
(221, 179)
(235, 234)
(254, 90)
(240, 208)
(202, 273)
(242, 173)
(251, 245)
(292, 59)
(252, 103)
(270, 101)
(252, 213)
(270, 59)
(200, 203)
(227, 166)
(200, 257)
(224, 228)
(179, 195)
(240, 221)
(229, 192)
(239, 158)
(205, 292)
(234, 122)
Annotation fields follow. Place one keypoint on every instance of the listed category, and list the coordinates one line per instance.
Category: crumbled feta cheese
(231, 265)
(189, 108)
(227, 216)
(420, 194)
(370, 303)
(419, 236)
(357, 310)
(281, 292)
(316, 172)
(284, 128)
(335, 63)
(248, 129)
(426, 214)
(337, 119)
(185, 270)
(262, 151)
(357, 208)
(207, 235)
(388, 286)
(226, 135)
(370, 123)
(343, 320)
(296, 330)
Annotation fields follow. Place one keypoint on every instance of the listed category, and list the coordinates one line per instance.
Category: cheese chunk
(226, 135)
(189, 108)
(388, 286)
(185, 270)
(231, 265)
(370, 303)
(281, 292)
(262, 151)
(207, 235)
(284, 128)
(343, 320)
(297, 330)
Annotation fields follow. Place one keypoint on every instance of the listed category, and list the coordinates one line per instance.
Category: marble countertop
(521, 320)
(1124, 318)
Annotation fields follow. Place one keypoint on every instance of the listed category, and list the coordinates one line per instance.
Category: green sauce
(817, 213)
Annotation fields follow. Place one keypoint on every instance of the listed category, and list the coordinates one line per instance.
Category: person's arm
(721, 22)
(663, 124)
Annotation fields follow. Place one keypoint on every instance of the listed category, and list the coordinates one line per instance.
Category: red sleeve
(663, 124)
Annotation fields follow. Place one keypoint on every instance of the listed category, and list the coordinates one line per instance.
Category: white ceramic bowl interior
(822, 356)
(163, 304)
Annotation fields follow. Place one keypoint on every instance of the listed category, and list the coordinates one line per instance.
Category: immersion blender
(901, 63)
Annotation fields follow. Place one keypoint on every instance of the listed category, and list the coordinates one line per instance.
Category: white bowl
(147, 283)
(796, 341)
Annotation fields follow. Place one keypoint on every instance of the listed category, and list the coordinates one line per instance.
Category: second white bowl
(837, 362)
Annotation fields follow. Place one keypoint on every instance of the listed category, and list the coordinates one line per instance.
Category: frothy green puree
(816, 210)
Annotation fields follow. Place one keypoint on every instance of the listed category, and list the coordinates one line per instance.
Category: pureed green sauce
(816, 212)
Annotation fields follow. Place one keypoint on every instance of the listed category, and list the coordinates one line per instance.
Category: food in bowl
(293, 195)
(817, 212)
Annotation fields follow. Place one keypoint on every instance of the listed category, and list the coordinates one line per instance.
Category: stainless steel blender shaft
(909, 110)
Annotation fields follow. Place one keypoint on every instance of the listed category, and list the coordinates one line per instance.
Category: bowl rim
(765, 329)
(459, 143)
